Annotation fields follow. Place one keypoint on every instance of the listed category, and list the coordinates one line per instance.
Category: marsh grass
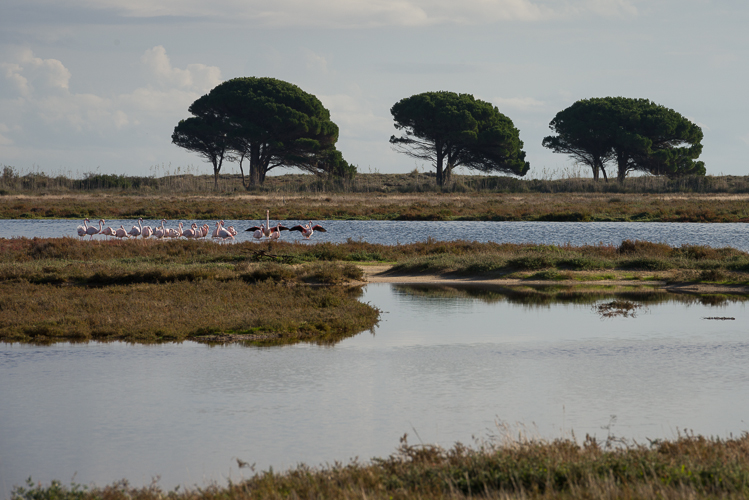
(62, 289)
(474, 206)
(69, 260)
(686, 467)
(177, 311)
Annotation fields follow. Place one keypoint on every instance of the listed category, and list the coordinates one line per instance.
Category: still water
(444, 365)
(392, 232)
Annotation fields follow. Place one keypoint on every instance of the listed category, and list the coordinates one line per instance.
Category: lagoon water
(392, 232)
(444, 365)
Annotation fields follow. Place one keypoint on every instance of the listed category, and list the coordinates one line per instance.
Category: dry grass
(208, 310)
(687, 467)
(529, 205)
(61, 289)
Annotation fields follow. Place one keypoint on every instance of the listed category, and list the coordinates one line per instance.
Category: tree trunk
(621, 163)
(440, 161)
(217, 162)
(254, 165)
(241, 170)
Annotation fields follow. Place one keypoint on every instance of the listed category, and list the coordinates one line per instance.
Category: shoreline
(381, 274)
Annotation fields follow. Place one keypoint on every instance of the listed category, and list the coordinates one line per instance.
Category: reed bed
(480, 206)
(167, 180)
(686, 467)
(58, 260)
(60, 289)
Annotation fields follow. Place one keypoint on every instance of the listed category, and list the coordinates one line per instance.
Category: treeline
(14, 182)
(264, 123)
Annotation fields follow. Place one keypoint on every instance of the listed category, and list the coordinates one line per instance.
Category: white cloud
(519, 103)
(39, 100)
(356, 119)
(197, 77)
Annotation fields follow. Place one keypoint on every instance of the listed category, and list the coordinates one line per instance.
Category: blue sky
(98, 85)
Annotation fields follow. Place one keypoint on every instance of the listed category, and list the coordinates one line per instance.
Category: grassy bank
(687, 467)
(632, 260)
(54, 289)
(65, 290)
(574, 207)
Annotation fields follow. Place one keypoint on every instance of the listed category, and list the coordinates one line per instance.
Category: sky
(97, 86)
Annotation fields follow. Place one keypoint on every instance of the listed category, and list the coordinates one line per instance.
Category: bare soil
(383, 274)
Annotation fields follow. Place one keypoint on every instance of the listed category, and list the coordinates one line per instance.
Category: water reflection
(546, 295)
(447, 362)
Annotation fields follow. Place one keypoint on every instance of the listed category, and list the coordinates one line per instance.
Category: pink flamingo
(275, 232)
(91, 230)
(107, 231)
(259, 231)
(224, 233)
(136, 231)
(308, 229)
(82, 229)
(147, 231)
(121, 233)
(191, 233)
(160, 231)
(219, 227)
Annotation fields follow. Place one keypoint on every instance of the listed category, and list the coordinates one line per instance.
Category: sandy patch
(381, 274)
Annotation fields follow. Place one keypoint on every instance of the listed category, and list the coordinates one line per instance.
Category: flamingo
(136, 231)
(232, 230)
(82, 229)
(121, 233)
(308, 229)
(91, 230)
(219, 227)
(107, 231)
(159, 231)
(259, 231)
(147, 231)
(275, 232)
(192, 232)
(263, 228)
(223, 233)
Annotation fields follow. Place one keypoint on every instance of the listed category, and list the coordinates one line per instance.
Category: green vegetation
(378, 197)
(634, 133)
(687, 263)
(557, 293)
(683, 468)
(55, 289)
(268, 122)
(66, 290)
(452, 130)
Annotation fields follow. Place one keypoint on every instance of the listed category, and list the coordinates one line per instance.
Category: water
(392, 232)
(442, 366)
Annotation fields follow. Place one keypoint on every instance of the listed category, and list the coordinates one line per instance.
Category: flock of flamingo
(222, 233)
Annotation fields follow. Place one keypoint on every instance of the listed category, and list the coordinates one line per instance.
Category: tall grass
(687, 467)
(166, 180)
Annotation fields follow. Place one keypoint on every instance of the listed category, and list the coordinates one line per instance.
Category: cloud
(356, 118)
(37, 98)
(197, 77)
(342, 13)
(519, 103)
